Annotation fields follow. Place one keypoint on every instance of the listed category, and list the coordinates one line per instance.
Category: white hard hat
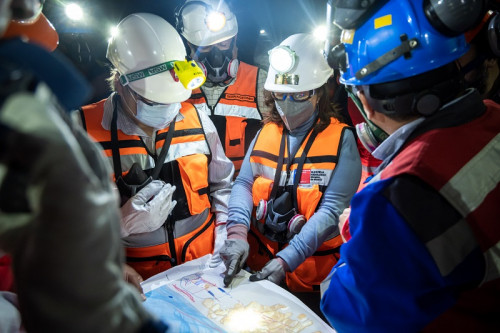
(297, 64)
(142, 50)
(206, 22)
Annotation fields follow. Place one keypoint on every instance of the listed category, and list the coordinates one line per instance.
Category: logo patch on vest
(238, 97)
(318, 177)
(310, 177)
(305, 178)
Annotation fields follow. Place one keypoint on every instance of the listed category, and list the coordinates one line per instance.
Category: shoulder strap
(300, 165)
(115, 148)
(164, 150)
(281, 157)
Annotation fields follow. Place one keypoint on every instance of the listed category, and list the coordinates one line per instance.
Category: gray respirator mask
(218, 65)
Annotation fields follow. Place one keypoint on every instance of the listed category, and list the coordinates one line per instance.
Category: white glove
(147, 210)
(220, 238)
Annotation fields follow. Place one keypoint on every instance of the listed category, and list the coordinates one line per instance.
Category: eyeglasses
(300, 96)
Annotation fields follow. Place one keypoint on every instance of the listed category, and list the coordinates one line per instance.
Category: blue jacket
(418, 257)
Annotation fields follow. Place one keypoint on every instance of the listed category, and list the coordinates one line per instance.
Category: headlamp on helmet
(187, 72)
(282, 59)
(215, 21)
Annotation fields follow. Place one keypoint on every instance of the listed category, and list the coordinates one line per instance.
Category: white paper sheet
(192, 298)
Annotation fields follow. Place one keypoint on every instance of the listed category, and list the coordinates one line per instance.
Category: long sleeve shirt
(220, 168)
(324, 222)
(58, 214)
(387, 278)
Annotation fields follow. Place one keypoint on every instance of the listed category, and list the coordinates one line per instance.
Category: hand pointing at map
(234, 254)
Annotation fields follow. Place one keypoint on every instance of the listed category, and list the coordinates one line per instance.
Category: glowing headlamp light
(282, 59)
(187, 72)
(215, 21)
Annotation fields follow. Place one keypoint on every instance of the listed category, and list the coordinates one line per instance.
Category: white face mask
(294, 113)
(157, 116)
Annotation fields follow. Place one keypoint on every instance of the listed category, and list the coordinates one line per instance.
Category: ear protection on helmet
(494, 34)
(450, 18)
(454, 17)
(492, 21)
(423, 94)
(179, 24)
(205, 22)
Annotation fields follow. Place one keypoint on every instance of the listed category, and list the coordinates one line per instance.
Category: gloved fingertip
(158, 184)
(227, 280)
(254, 277)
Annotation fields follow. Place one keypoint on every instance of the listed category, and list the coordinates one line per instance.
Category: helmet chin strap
(402, 50)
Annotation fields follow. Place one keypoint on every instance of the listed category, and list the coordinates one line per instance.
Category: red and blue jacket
(426, 234)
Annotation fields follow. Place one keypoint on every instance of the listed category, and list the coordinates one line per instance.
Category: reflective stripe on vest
(188, 139)
(236, 114)
(468, 178)
(238, 99)
(186, 165)
(321, 160)
(318, 167)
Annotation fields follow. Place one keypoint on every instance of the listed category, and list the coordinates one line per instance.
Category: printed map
(191, 298)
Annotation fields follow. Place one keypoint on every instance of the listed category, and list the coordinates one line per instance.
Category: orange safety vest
(186, 167)
(315, 161)
(236, 114)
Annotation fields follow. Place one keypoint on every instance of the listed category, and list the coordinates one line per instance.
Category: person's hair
(111, 80)
(326, 109)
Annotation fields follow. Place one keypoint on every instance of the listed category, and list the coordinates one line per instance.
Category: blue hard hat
(396, 42)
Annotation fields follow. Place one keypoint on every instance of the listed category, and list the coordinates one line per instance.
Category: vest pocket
(235, 136)
(308, 199)
(261, 189)
(194, 174)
